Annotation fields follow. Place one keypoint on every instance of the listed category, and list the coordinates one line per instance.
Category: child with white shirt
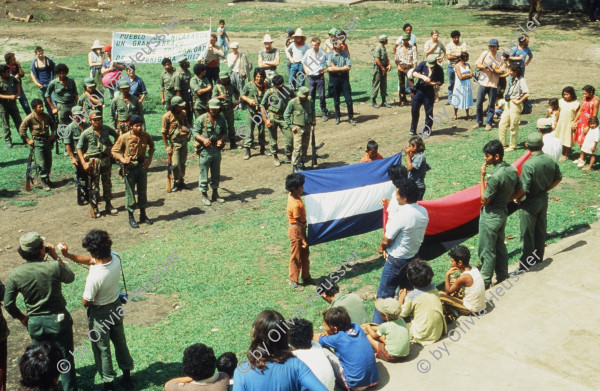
(590, 144)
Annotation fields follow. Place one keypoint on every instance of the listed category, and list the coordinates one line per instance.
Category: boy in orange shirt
(371, 152)
(299, 252)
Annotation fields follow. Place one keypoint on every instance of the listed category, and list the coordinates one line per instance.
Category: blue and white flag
(346, 201)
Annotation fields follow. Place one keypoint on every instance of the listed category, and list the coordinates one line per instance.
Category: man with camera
(39, 281)
(104, 304)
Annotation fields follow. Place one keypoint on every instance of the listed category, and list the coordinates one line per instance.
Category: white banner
(152, 48)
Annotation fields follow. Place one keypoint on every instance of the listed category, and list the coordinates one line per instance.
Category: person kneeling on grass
(310, 352)
(199, 365)
(350, 301)
(390, 340)
(423, 304)
(353, 363)
(470, 281)
(299, 252)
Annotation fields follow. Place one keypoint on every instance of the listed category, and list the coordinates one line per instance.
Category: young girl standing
(462, 97)
(588, 109)
(567, 109)
(590, 145)
(416, 164)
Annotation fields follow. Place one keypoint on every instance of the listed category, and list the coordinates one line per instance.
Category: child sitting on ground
(226, 363)
(590, 144)
(470, 280)
(199, 365)
(423, 304)
(353, 363)
(310, 352)
(390, 340)
(350, 301)
(371, 152)
(416, 164)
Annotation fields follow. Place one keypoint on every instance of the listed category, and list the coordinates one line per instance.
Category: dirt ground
(244, 183)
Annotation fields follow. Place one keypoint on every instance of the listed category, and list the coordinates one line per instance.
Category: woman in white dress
(462, 97)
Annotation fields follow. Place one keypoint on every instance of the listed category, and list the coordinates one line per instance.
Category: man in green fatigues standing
(229, 96)
(201, 90)
(40, 283)
(252, 94)
(502, 187)
(381, 67)
(210, 131)
(183, 77)
(123, 107)
(70, 136)
(65, 90)
(10, 89)
(93, 149)
(91, 99)
(130, 149)
(539, 175)
(300, 116)
(176, 129)
(275, 101)
(167, 82)
(43, 134)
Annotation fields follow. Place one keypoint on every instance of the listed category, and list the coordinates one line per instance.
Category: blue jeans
(481, 93)
(294, 71)
(393, 276)
(422, 99)
(451, 77)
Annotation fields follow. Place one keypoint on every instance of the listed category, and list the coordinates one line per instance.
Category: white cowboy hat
(298, 33)
(235, 45)
(267, 38)
(96, 45)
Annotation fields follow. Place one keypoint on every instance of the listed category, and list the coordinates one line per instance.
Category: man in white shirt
(552, 145)
(104, 309)
(295, 53)
(314, 63)
(404, 233)
(453, 52)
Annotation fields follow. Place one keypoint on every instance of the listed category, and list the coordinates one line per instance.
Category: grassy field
(233, 267)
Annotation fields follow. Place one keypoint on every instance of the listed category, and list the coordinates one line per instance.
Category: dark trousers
(317, 84)
(451, 80)
(422, 99)
(594, 9)
(393, 276)
(481, 93)
(212, 74)
(24, 102)
(341, 86)
(3, 364)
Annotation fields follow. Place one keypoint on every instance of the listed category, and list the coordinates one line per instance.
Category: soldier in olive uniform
(274, 102)
(70, 135)
(123, 107)
(299, 116)
(201, 89)
(229, 96)
(167, 82)
(65, 90)
(176, 129)
(539, 175)
(252, 94)
(10, 89)
(381, 67)
(91, 99)
(183, 77)
(210, 131)
(130, 149)
(502, 186)
(43, 130)
(94, 146)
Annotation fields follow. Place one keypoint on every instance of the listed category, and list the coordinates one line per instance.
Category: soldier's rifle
(31, 167)
(92, 192)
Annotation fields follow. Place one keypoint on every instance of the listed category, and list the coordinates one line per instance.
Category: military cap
(30, 241)
(534, 139)
(124, 84)
(177, 101)
(77, 110)
(303, 92)
(405, 36)
(431, 60)
(136, 119)
(214, 104)
(224, 74)
(333, 31)
(89, 82)
(95, 114)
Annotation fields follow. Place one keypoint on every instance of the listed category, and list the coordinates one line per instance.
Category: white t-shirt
(474, 298)
(406, 229)
(102, 282)
(318, 363)
(235, 66)
(552, 146)
(591, 137)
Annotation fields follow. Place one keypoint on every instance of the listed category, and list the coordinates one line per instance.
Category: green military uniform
(537, 175)
(379, 79)
(200, 101)
(227, 105)
(182, 84)
(8, 108)
(255, 118)
(302, 115)
(66, 98)
(97, 148)
(275, 102)
(40, 132)
(135, 175)
(172, 128)
(210, 157)
(167, 85)
(70, 136)
(40, 284)
(121, 111)
(502, 184)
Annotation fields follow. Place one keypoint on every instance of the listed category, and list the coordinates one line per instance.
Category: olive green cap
(30, 241)
(177, 101)
(405, 36)
(534, 139)
(89, 82)
(303, 92)
(77, 110)
(333, 31)
(214, 104)
(224, 74)
(95, 113)
(124, 84)
(431, 60)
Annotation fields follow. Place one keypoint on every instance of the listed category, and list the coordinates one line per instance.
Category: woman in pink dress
(588, 108)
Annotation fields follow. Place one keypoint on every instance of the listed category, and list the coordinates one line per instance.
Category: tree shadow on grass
(513, 18)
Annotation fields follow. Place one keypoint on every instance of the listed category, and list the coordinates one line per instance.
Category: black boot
(215, 197)
(125, 381)
(143, 218)
(110, 210)
(110, 386)
(132, 222)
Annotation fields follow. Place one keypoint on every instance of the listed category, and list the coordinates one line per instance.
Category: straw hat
(96, 45)
(298, 33)
(267, 38)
